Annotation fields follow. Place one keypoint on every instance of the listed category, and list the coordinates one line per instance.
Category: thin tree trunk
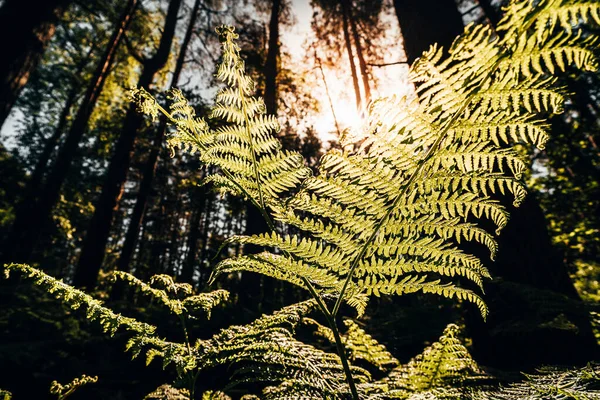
(347, 7)
(271, 63)
(204, 239)
(490, 12)
(320, 66)
(42, 163)
(26, 228)
(150, 167)
(187, 272)
(94, 246)
(348, 43)
(26, 27)
(425, 22)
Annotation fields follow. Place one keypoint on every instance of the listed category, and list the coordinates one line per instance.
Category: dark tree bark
(272, 61)
(425, 22)
(94, 246)
(347, 9)
(150, 167)
(194, 234)
(27, 226)
(490, 11)
(26, 27)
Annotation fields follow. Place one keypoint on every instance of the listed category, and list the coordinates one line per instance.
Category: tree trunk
(26, 27)
(150, 167)
(348, 43)
(27, 227)
(271, 63)
(42, 163)
(425, 22)
(347, 7)
(490, 11)
(187, 272)
(94, 246)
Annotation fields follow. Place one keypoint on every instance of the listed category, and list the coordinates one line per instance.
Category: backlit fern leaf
(550, 384)
(363, 346)
(445, 363)
(265, 351)
(245, 149)
(74, 298)
(177, 297)
(388, 217)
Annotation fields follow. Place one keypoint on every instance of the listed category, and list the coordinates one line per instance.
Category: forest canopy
(283, 199)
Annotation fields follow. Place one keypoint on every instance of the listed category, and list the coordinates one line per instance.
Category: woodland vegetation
(334, 199)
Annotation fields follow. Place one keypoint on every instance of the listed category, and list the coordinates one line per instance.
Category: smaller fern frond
(168, 392)
(64, 391)
(74, 298)
(550, 383)
(362, 346)
(445, 363)
(177, 297)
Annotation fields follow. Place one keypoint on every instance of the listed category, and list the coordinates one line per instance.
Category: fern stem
(338, 339)
(336, 333)
(186, 336)
(342, 353)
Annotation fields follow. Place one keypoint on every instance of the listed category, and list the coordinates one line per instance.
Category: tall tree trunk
(425, 22)
(347, 7)
(271, 63)
(320, 66)
(26, 27)
(187, 272)
(150, 167)
(42, 163)
(204, 256)
(27, 227)
(94, 246)
(348, 44)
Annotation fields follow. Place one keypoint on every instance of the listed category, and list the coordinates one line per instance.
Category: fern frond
(63, 391)
(168, 392)
(363, 346)
(445, 363)
(248, 155)
(177, 297)
(74, 298)
(425, 171)
(550, 384)
(265, 351)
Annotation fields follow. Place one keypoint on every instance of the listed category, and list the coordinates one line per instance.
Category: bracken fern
(387, 215)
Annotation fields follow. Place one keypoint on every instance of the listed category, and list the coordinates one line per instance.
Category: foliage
(5, 395)
(450, 154)
(551, 383)
(168, 392)
(445, 363)
(64, 391)
(388, 214)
